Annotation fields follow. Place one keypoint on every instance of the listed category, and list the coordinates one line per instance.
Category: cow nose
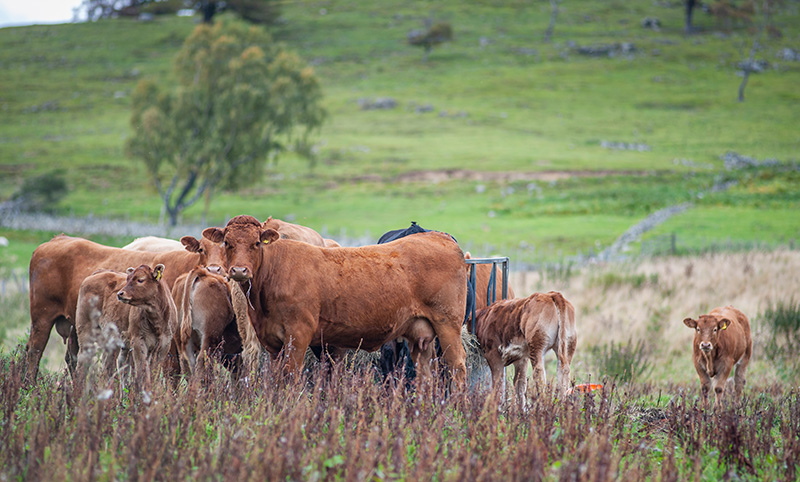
(705, 346)
(239, 273)
(214, 268)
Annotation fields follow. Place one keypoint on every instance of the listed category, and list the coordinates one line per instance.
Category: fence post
(673, 243)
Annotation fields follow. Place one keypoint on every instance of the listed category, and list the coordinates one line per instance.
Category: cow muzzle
(214, 268)
(705, 346)
(239, 273)
(121, 297)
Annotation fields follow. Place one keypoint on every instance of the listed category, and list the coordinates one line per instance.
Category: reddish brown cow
(304, 295)
(721, 340)
(141, 306)
(57, 269)
(294, 231)
(516, 331)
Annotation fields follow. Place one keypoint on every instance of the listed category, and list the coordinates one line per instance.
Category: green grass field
(502, 101)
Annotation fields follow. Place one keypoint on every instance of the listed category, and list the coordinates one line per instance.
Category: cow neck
(154, 312)
(709, 359)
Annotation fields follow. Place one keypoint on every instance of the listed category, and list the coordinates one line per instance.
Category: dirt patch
(443, 175)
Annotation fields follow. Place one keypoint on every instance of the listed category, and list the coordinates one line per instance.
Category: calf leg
(536, 356)
(720, 379)
(496, 365)
(521, 380)
(563, 361)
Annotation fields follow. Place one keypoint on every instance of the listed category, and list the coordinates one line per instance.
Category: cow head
(706, 331)
(141, 285)
(243, 238)
(212, 255)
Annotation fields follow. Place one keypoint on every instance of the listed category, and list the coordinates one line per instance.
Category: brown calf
(721, 340)
(141, 306)
(518, 330)
(57, 269)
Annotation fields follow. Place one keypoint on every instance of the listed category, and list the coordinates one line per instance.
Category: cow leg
(454, 354)
(536, 357)
(521, 380)
(720, 379)
(741, 369)
(496, 366)
(41, 326)
(563, 361)
(71, 357)
(295, 347)
(141, 367)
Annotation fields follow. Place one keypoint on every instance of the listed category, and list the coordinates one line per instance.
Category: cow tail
(251, 347)
(561, 307)
(186, 318)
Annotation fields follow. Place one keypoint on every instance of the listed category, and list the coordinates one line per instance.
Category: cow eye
(140, 280)
(715, 330)
(697, 329)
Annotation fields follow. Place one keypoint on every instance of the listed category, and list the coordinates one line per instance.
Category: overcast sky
(28, 12)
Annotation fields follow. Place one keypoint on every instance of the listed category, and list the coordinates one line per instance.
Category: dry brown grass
(649, 299)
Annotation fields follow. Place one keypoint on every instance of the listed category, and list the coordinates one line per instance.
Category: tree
(254, 11)
(239, 102)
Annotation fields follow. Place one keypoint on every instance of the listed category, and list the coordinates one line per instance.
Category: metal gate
(491, 292)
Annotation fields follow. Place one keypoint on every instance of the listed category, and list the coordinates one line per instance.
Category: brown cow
(518, 330)
(57, 269)
(141, 306)
(155, 244)
(349, 297)
(721, 340)
(295, 231)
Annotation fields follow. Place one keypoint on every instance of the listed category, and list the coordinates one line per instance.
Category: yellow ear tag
(266, 241)
(158, 275)
(725, 327)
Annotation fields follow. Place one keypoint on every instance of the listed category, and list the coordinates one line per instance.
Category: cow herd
(279, 287)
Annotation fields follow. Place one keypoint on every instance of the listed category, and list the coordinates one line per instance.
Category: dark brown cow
(524, 329)
(141, 306)
(721, 340)
(349, 297)
(57, 269)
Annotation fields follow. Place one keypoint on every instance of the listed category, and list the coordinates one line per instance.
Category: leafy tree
(41, 193)
(254, 11)
(240, 100)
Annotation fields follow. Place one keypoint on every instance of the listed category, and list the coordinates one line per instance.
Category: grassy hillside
(500, 101)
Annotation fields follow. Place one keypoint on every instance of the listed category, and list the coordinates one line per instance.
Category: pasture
(519, 148)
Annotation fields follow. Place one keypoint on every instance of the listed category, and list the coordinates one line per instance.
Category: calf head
(706, 331)
(243, 238)
(141, 285)
(212, 255)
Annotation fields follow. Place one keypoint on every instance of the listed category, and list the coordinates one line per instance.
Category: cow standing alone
(520, 330)
(721, 340)
(304, 295)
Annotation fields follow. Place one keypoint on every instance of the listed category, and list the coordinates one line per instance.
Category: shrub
(623, 363)
(782, 323)
(41, 193)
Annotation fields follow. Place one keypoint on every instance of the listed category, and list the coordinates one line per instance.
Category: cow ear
(158, 272)
(191, 244)
(723, 324)
(690, 323)
(214, 234)
(130, 270)
(269, 235)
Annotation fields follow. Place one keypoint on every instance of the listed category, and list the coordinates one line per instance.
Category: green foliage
(163, 7)
(622, 362)
(240, 98)
(263, 12)
(782, 322)
(42, 192)
(437, 34)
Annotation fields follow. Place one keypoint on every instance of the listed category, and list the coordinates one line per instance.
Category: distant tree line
(254, 11)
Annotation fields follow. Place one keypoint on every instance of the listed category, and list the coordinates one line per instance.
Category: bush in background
(622, 363)
(782, 322)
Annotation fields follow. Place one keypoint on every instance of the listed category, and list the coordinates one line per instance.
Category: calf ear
(723, 324)
(158, 272)
(269, 235)
(690, 323)
(130, 270)
(214, 234)
(191, 244)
